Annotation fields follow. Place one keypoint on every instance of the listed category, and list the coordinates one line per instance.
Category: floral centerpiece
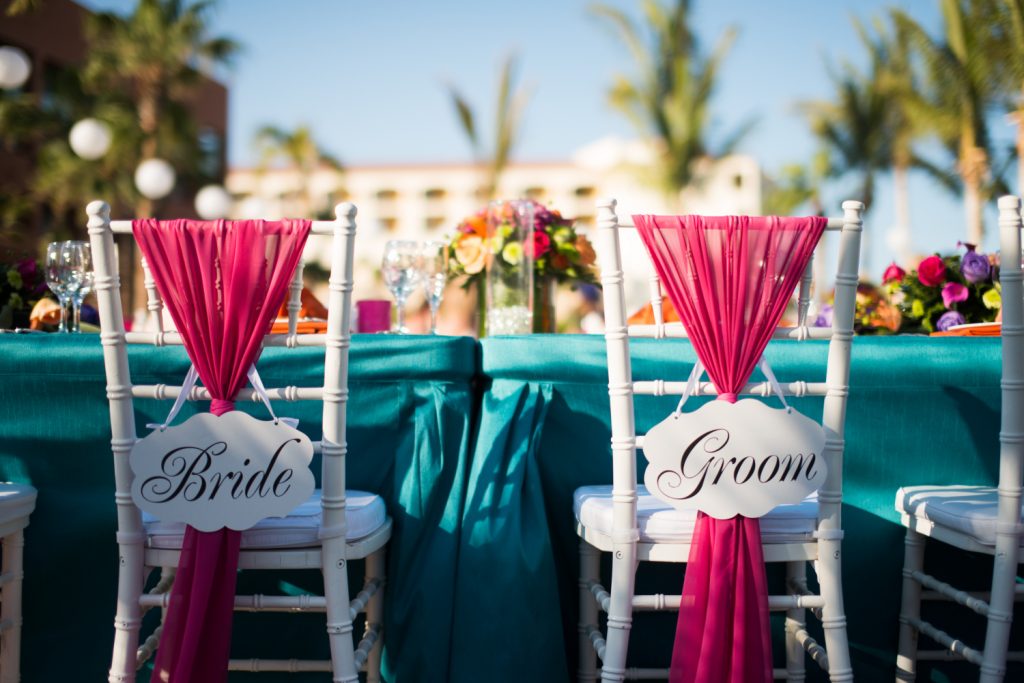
(946, 291)
(560, 255)
(21, 285)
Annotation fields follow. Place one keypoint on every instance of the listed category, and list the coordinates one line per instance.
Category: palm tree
(958, 91)
(508, 121)
(668, 100)
(1007, 54)
(152, 55)
(299, 149)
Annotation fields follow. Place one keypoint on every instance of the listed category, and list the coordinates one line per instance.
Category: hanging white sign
(229, 471)
(734, 458)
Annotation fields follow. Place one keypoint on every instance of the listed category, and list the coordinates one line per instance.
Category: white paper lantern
(154, 178)
(14, 67)
(213, 202)
(90, 138)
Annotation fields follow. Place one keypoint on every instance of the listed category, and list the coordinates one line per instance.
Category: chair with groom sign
(626, 520)
(325, 532)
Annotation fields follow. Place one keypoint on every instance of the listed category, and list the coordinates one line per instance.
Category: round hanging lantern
(90, 138)
(213, 202)
(14, 67)
(154, 178)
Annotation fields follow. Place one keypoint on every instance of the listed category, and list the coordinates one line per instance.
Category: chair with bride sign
(634, 526)
(328, 530)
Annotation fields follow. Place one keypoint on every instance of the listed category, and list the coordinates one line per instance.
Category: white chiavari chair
(325, 533)
(978, 519)
(17, 501)
(625, 520)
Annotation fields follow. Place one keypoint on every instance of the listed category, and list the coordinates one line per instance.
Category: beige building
(427, 201)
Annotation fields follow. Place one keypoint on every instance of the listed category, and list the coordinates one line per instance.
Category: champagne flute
(400, 267)
(434, 269)
(57, 279)
(82, 278)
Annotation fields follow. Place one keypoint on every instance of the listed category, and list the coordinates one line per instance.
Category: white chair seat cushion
(659, 522)
(300, 529)
(971, 510)
(16, 501)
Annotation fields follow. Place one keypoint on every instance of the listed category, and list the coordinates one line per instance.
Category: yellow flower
(470, 253)
(512, 254)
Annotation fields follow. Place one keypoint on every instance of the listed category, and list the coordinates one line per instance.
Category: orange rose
(559, 261)
(586, 250)
(479, 225)
(470, 253)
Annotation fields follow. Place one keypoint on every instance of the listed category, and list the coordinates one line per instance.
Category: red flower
(932, 271)
(540, 246)
(893, 272)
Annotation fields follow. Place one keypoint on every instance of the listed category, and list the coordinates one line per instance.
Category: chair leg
(796, 619)
(10, 607)
(590, 570)
(339, 622)
(1000, 614)
(375, 569)
(833, 615)
(910, 608)
(130, 580)
(620, 613)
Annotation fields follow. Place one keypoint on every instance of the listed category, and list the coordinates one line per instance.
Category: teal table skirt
(921, 410)
(409, 434)
(476, 449)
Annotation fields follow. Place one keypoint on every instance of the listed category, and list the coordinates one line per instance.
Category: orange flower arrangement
(558, 250)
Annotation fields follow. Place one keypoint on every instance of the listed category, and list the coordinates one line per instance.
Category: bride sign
(229, 471)
(740, 458)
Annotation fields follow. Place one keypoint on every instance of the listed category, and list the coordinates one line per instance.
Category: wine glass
(400, 267)
(58, 279)
(81, 276)
(434, 269)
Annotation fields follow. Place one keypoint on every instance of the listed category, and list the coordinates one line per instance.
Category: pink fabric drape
(729, 278)
(223, 283)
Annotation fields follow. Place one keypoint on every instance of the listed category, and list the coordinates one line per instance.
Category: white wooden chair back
(121, 392)
(1011, 432)
(622, 386)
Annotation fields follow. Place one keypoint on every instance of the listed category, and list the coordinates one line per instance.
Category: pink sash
(223, 283)
(729, 278)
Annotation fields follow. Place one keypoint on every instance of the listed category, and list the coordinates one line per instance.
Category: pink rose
(953, 292)
(932, 271)
(893, 273)
(541, 244)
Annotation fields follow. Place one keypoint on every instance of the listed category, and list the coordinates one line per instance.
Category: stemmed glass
(82, 278)
(400, 267)
(58, 279)
(434, 269)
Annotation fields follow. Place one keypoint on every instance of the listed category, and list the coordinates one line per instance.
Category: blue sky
(370, 77)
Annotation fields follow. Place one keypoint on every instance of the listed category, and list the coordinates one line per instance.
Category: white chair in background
(17, 501)
(286, 543)
(625, 520)
(978, 519)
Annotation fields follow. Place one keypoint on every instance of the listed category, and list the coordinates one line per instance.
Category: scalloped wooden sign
(729, 459)
(229, 471)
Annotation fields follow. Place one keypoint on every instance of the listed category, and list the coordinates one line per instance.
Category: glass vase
(509, 276)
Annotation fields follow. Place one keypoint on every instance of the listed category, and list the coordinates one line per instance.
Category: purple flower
(949, 319)
(953, 292)
(824, 318)
(975, 267)
(27, 268)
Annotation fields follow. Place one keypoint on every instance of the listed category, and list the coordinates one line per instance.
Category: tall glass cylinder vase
(509, 288)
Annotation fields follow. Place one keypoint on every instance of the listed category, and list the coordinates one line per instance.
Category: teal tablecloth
(409, 428)
(921, 410)
(482, 566)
